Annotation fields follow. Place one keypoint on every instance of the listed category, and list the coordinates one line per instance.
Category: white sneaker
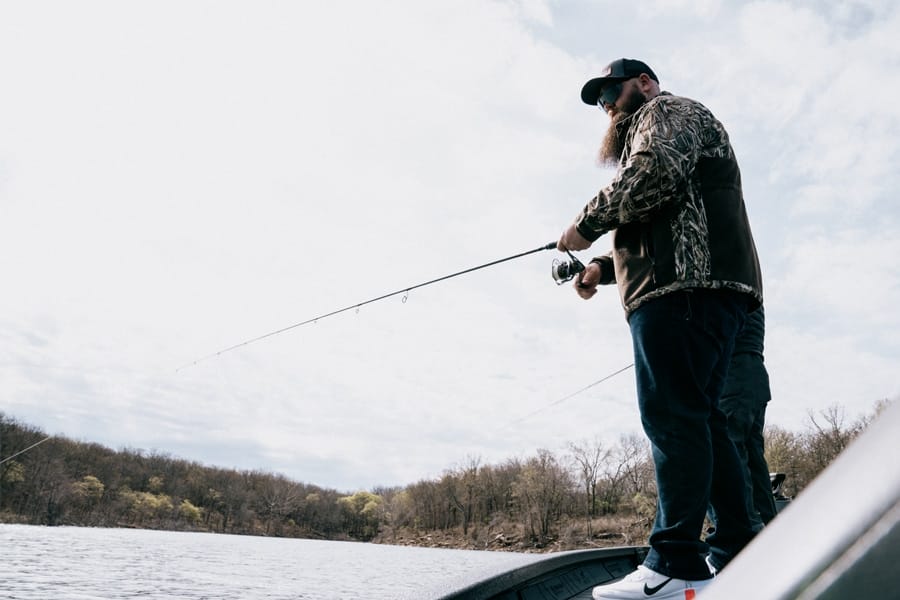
(646, 583)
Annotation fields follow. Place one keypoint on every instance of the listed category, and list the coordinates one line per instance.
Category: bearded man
(686, 267)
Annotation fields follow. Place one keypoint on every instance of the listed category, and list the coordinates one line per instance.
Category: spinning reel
(563, 271)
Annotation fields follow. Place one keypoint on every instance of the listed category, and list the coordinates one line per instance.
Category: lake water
(41, 563)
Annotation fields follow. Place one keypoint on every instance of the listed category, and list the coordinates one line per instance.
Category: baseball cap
(618, 70)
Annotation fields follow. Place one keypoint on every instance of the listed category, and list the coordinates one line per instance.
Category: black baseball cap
(618, 70)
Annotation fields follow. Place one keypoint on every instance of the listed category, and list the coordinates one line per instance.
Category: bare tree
(278, 496)
(462, 489)
(588, 457)
(542, 488)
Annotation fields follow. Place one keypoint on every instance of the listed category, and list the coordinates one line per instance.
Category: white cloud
(812, 368)
(536, 11)
(704, 9)
(849, 278)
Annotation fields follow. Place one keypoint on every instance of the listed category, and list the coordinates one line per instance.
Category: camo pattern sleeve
(665, 139)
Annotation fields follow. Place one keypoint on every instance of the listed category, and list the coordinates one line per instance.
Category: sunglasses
(611, 93)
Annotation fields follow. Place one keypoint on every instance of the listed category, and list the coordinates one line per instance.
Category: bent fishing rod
(561, 272)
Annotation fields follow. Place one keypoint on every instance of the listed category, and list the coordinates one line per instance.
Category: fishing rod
(559, 273)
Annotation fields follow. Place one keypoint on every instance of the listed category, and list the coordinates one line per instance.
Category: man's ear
(646, 84)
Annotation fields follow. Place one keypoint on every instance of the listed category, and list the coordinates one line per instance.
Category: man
(744, 401)
(687, 271)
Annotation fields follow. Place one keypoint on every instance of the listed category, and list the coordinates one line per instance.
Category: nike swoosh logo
(649, 591)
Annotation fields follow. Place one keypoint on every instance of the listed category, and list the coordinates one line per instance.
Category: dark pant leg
(682, 344)
(763, 499)
(738, 404)
(744, 402)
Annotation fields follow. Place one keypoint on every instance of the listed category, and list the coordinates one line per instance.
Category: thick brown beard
(613, 144)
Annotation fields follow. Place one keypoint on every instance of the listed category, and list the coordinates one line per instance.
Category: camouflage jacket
(675, 208)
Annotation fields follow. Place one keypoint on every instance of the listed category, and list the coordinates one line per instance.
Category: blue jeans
(682, 346)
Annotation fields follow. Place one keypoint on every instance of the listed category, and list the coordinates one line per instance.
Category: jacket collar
(623, 125)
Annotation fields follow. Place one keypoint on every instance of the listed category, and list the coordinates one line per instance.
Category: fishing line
(25, 450)
(405, 291)
(572, 395)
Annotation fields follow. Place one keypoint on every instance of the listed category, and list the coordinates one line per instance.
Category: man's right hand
(587, 281)
(571, 239)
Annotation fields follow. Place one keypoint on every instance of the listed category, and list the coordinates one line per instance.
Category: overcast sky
(177, 177)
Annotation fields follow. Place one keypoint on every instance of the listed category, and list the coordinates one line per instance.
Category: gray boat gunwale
(556, 574)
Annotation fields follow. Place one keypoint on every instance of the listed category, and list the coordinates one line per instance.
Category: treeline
(590, 494)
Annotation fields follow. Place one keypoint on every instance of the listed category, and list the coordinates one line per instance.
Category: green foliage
(89, 489)
(146, 506)
(361, 513)
(14, 473)
(190, 513)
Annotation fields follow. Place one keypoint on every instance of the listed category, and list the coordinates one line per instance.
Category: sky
(177, 177)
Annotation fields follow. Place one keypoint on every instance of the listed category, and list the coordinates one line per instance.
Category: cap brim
(591, 90)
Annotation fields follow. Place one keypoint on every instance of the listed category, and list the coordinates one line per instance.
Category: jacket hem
(735, 286)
